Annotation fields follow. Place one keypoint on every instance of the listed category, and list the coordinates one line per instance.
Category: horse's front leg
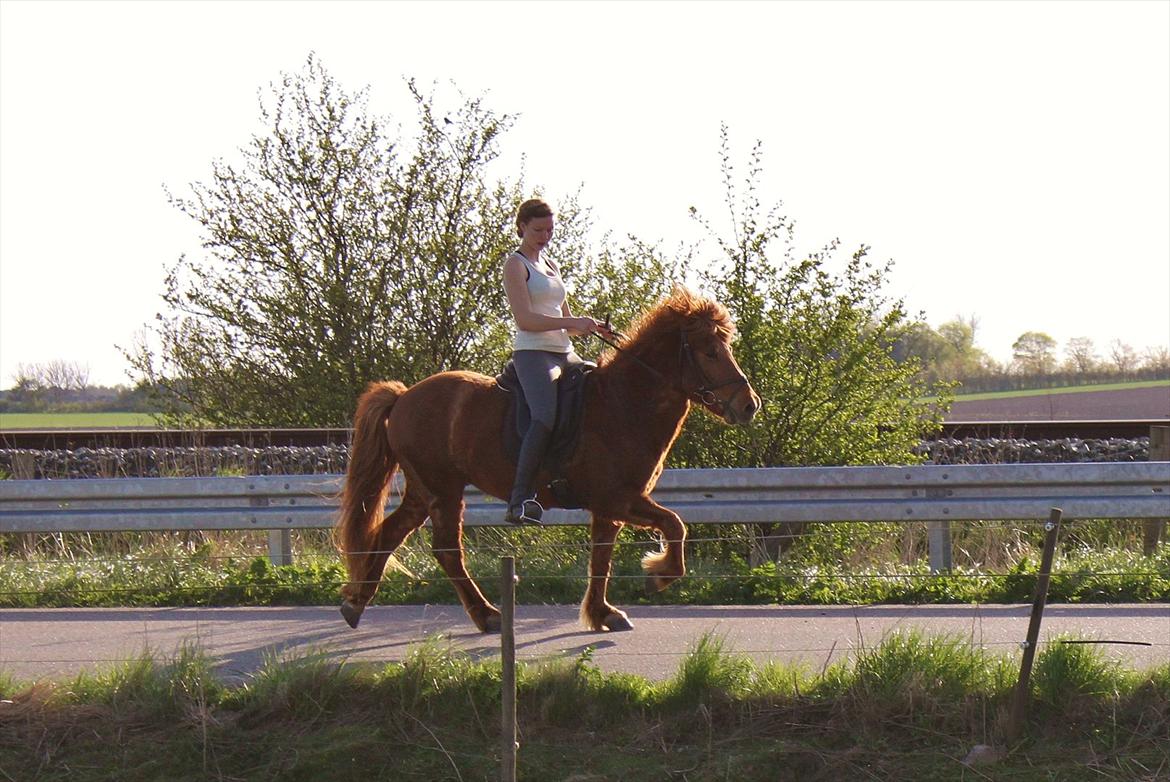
(662, 567)
(447, 546)
(596, 612)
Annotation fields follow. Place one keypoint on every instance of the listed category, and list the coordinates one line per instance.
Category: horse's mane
(682, 310)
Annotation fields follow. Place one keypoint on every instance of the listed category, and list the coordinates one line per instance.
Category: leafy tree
(27, 390)
(1123, 356)
(948, 354)
(621, 281)
(969, 360)
(1082, 355)
(41, 385)
(936, 354)
(819, 347)
(1156, 359)
(960, 333)
(1033, 353)
(336, 254)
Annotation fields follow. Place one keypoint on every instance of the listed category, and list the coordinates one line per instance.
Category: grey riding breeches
(538, 371)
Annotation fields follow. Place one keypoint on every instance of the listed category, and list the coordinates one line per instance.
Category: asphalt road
(59, 643)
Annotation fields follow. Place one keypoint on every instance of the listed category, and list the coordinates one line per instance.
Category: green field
(74, 420)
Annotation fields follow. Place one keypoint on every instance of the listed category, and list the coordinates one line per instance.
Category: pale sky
(1012, 158)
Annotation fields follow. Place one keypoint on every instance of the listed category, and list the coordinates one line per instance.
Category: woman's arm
(566, 313)
(516, 286)
(595, 326)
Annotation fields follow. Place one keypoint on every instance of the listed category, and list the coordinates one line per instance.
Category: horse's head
(710, 373)
(706, 367)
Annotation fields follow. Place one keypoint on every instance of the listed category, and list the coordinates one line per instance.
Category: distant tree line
(949, 354)
(63, 387)
(945, 354)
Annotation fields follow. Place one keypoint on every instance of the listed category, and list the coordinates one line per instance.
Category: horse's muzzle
(743, 407)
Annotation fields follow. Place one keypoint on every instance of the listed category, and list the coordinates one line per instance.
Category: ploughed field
(1068, 405)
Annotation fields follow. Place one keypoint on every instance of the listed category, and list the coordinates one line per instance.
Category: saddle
(566, 430)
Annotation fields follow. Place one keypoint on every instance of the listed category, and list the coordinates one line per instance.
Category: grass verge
(831, 565)
(909, 708)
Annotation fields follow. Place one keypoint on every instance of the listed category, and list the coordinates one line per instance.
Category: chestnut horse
(445, 433)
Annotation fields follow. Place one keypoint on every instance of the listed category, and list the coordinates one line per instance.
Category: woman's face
(537, 232)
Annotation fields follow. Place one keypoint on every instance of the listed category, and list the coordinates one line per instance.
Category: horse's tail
(372, 465)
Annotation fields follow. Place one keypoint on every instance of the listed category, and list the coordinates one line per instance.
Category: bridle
(704, 394)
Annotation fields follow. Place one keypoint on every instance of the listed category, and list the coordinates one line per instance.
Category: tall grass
(907, 708)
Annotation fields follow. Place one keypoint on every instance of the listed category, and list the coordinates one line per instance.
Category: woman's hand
(592, 327)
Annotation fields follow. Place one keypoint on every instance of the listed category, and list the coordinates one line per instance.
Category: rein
(704, 394)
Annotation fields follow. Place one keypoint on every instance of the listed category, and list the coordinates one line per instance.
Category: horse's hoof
(615, 622)
(352, 613)
(492, 624)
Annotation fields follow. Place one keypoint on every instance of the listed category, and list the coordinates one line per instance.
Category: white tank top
(546, 291)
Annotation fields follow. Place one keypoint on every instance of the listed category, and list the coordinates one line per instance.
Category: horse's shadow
(485, 652)
(242, 663)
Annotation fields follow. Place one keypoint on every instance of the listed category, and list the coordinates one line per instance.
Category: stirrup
(530, 513)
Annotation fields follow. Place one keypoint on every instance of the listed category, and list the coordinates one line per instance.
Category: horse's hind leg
(396, 528)
(447, 545)
(596, 612)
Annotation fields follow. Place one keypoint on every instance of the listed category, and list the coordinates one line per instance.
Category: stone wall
(237, 460)
(1003, 451)
(173, 462)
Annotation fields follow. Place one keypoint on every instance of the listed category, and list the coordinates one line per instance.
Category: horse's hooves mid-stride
(352, 613)
(444, 434)
(617, 622)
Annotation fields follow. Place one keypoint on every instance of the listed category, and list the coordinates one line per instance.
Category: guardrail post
(1159, 452)
(508, 743)
(939, 536)
(280, 547)
(1023, 693)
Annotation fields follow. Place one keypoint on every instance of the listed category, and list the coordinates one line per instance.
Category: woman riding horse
(541, 351)
(444, 433)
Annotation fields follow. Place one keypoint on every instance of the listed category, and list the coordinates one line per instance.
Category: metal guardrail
(937, 494)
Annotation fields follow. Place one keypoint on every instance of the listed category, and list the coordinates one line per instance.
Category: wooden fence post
(508, 743)
(1023, 693)
(1159, 452)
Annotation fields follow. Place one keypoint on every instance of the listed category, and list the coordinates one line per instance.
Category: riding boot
(523, 507)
